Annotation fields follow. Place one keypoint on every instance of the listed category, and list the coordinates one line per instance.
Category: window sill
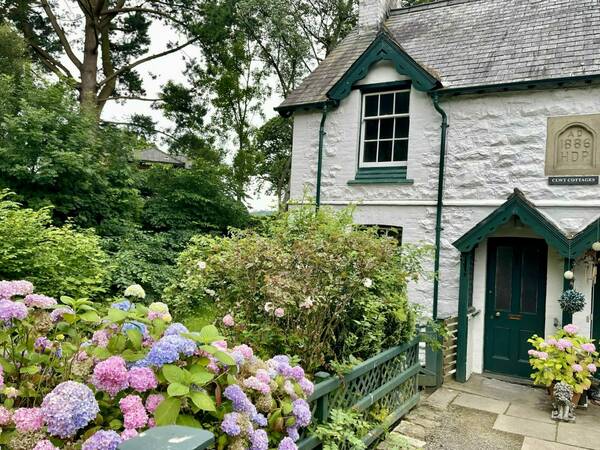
(381, 175)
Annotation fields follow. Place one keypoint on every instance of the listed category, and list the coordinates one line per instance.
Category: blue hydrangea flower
(240, 401)
(259, 420)
(103, 440)
(259, 440)
(176, 329)
(301, 411)
(230, 424)
(68, 408)
(293, 433)
(124, 305)
(167, 350)
(135, 325)
(287, 444)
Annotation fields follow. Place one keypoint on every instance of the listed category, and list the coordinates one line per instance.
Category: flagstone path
(490, 414)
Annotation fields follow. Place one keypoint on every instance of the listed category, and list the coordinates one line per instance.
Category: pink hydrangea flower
(221, 345)
(279, 312)
(551, 341)
(589, 347)
(257, 385)
(100, 338)
(134, 413)
(111, 375)
(153, 401)
(39, 301)
(128, 434)
(28, 419)
(571, 329)
(228, 320)
(1, 376)
(263, 376)
(244, 350)
(142, 379)
(563, 344)
(45, 444)
(542, 355)
(5, 416)
(592, 368)
(577, 368)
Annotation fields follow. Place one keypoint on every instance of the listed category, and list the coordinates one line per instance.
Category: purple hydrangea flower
(45, 444)
(293, 433)
(577, 368)
(563, 344)
(103, 440)
(230, 424)
(39, 301)
(42, 343)
(589, 347)
(240, 401)
(58, 313)
(259, 419)
(307, 386)
(259, 440)
(176, 329)
(9, 289)
(257, 385)
(68, 408)
(287, 444)
(571, 329)
(10, 310)
(301, 411)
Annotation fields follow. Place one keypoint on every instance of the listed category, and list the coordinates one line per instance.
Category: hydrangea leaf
(225, 358)
(177, 390)
(203, 401)
(173, 374)
(167, 412)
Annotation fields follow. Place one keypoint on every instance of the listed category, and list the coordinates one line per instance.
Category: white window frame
(364, 120)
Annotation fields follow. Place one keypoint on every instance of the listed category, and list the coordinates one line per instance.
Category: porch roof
(517, 205)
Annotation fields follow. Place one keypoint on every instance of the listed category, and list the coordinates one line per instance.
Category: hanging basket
(572, 301)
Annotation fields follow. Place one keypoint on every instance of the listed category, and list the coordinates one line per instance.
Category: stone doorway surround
(486, 413)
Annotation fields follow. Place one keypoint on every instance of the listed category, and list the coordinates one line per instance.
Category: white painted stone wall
(496, 142)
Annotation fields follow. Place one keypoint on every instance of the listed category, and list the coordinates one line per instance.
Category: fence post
(322, 409)
(434, 359)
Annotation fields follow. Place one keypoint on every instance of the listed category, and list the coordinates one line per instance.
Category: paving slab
(481, 403)
(525, 427)
(500, 390)
(396, 441)
(528, 411)
(578, 434)
(441, 398)
(538, 444)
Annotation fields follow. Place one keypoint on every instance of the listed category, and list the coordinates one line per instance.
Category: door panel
(515, 302)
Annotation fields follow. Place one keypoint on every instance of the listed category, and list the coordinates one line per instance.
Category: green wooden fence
(387, 382)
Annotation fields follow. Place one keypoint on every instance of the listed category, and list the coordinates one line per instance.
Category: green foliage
(307, 284)
(572, 301)
(344, 429)
(146, 258)
(53, 155)
(55, 259)
(565, 357)
(12, 52)
(198, 199)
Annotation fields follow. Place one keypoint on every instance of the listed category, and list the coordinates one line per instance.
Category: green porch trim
(582, 241)
(376, 175)
(516, 205)
(383, 48)
(464, 292)
(378, 87)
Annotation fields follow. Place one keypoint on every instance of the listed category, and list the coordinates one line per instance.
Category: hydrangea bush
(312, 285)
(74, 377)
(565, 356)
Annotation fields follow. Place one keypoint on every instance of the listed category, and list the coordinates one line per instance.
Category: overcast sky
(155, 74)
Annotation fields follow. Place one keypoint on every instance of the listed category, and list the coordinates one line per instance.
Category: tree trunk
(89, 69)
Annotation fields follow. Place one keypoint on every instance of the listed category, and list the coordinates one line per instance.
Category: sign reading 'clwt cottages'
(572, 149)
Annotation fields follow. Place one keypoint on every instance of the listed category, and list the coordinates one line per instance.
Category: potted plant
(564, 357)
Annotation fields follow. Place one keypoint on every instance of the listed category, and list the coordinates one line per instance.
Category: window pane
(402, 127)
(371, 105)
(401, 150)
(370, 152)
(386, 128)
(386, 104)
(385, 151)
(530, 277)
(402, 102)
(371, 129)
(503, 285)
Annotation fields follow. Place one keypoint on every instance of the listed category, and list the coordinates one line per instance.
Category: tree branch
(61, 34)
(146, 59)
(51, 63)
(113, 12)
(133, 97)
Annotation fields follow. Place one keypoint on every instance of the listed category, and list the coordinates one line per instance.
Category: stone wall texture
(496, 143)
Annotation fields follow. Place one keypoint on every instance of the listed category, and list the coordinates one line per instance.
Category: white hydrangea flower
(367, 282)
(135, 290)
(307, 303)
(201, 265)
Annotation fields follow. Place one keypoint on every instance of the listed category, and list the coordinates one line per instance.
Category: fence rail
(388, 381)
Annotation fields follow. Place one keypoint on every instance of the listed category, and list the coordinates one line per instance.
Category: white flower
(135, 290)
(367, 282)
(201, 265)
(268, 307)
(307, 303)
(210, 292)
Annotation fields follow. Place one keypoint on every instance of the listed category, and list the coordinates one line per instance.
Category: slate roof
(154, 155)
(470, 43)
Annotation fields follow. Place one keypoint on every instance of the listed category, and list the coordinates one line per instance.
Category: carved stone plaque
(573, 145)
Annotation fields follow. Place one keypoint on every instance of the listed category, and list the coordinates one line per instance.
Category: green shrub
(307, 284)
(57, 260)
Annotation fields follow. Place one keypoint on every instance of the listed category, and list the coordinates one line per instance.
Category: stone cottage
(472, 125)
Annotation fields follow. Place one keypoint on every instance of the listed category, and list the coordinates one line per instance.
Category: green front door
(515, 302)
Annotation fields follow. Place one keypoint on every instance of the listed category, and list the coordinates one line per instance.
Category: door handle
(497, 313)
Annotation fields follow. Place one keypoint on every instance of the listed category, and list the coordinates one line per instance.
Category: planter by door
(515, 302)
(596, 315)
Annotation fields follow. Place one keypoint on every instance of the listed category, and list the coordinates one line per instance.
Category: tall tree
(104, 41)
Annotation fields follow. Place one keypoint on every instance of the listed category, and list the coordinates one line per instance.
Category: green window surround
(381, 175)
